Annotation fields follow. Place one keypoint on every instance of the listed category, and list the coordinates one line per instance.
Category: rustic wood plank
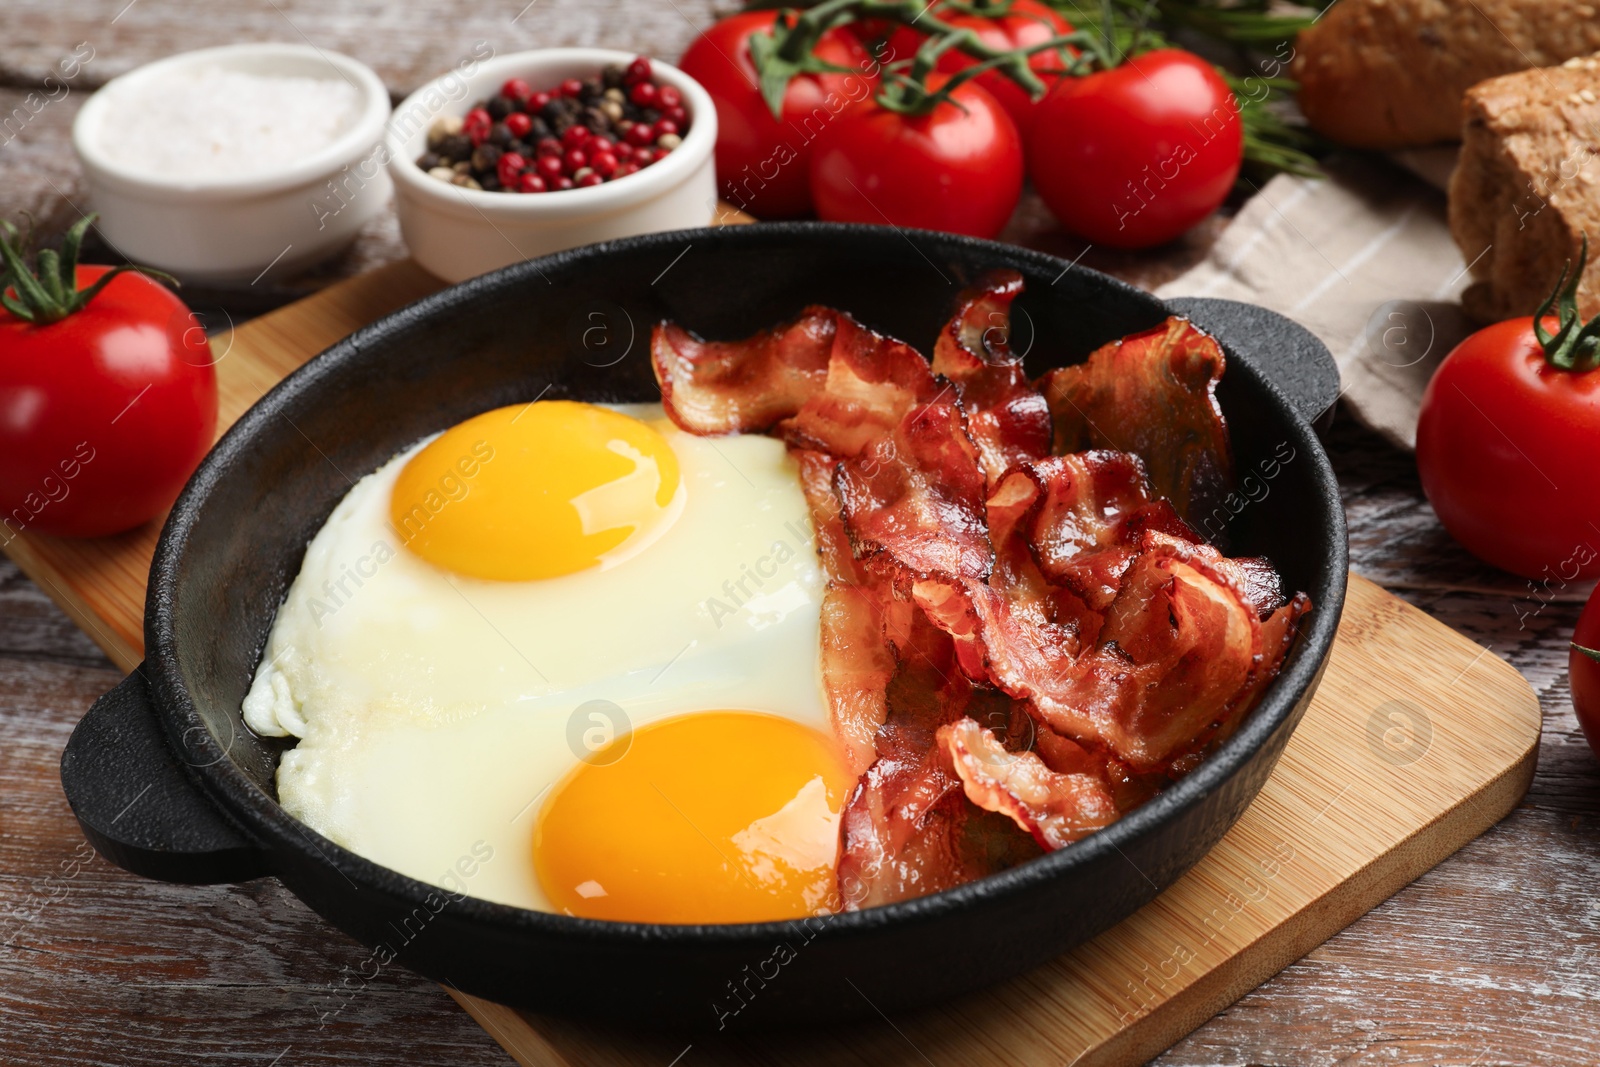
(407, 44)
(98, 967)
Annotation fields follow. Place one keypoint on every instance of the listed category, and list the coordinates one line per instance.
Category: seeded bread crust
(1527, 188)
(1391, 73)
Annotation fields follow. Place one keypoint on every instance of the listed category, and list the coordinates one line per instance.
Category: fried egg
(566, 657)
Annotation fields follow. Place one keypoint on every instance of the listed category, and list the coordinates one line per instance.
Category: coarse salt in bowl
(207, 121)
(458, 233)
(218, 164)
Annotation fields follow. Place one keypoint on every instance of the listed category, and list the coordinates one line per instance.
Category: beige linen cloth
(1363, 259)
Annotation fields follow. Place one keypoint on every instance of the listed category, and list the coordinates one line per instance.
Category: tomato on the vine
(761, 160)
(1506, 442)
(957, 168)
(1134, 156)
(106, 404)
(1021, 24)
(1584, 670)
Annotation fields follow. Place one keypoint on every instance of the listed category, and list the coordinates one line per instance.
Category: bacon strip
(1057, 809)
(1278, 631)
(856, 667)
(1152, 394)
(913, 502)
(1128, 788)
(1007, 417)
(1180, 644)
(723, 387)
(861, 622)
(1167, 670)
(1091, 508)
(908, 830)
(872, 381)
(833, 544)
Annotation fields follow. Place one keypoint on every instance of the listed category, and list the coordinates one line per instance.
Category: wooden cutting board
(1417, 741)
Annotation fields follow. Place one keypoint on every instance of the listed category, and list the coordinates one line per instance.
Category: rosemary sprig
(1249, 22)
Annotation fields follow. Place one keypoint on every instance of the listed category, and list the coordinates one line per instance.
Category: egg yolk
(716, 817)
(535, 491)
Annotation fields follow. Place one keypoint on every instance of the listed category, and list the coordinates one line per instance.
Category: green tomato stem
(1575, 346)
(49, 292)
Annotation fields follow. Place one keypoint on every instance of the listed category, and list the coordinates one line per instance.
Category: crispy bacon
(856, 667)
(1152, 394)
(833, 544)
(1091, 508)
(1057, 809)
(861, 621)
(1128, 788)
(913, 502)
(1007, 417)
(1017, 599)
(1278, 631)
(722, 387)
(908, 830)
(872, 381)
(1180, 644)
(1260, 582)
(979, 584)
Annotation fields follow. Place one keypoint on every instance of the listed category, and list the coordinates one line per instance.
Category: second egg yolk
(715, 817)
(535, 491)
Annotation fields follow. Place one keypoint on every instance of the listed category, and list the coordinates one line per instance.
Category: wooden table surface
(1489, 959)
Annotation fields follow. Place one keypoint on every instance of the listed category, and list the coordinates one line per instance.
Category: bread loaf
(1527, 188)
(1391, 73)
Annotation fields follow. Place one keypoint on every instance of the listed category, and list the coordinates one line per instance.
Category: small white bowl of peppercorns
(518, 156)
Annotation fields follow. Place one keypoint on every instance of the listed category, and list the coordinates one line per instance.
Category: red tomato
(1585, 672)
(1505, 447)
(761, 161)
(1025, 22)
(1134, 156)
(957, 168)
(104, 414)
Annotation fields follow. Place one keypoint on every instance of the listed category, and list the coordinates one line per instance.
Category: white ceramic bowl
(230, 228)
(458, 233)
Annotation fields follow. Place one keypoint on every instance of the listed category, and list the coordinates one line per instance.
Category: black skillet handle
(137, 805)
(1290, 356)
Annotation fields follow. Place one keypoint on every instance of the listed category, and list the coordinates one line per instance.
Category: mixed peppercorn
(578, 133)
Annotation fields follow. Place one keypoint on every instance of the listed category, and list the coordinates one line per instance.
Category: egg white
(435, 711)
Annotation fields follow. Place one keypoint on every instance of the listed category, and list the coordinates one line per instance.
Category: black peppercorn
(597, 121)
(428, 160)
(540, 128)
(490, 183)
(499, 107)
(521, 148)
(650, 115)
(455, 147)
(612, 75)
(499, 135)
(485, 156)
